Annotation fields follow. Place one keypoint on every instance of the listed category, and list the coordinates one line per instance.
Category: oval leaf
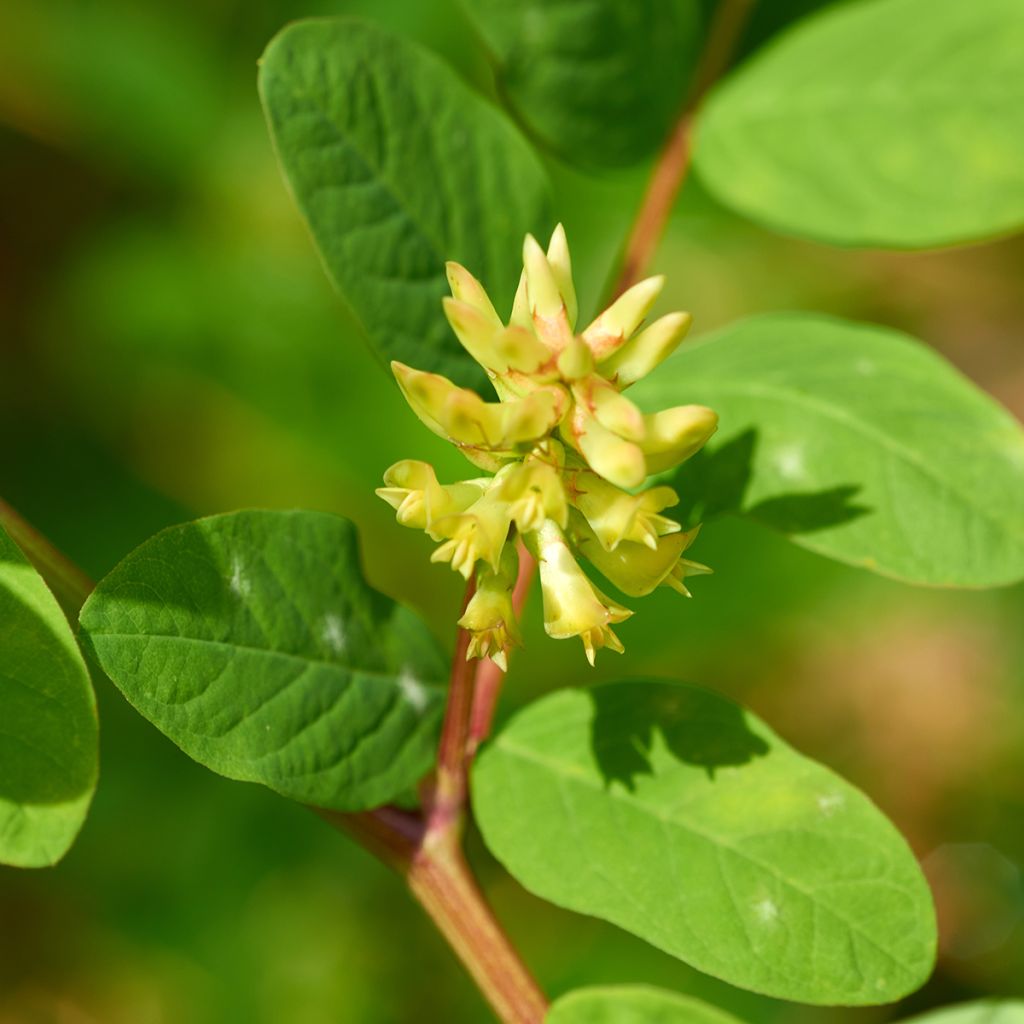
(49, 735)
(886, 122)
(986, 1011)
(253, 642)
(632, 1004)
(859, 442)
(397, 167)
(597, 81)
(677, 815)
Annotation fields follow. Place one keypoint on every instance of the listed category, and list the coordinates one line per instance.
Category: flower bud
(613, 410)
(616, 515)
(634, 568)
(611, 329)
(418, 499)
(561, 269)
(638, 356)
(463, 417)
(490, 616)
(618, 461)
(673, 435)
(476, 535)
(534, 492)
(476, 333)
(573, 606)
(576, 360)
(466, 288)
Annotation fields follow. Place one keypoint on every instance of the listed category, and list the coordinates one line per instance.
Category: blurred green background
(169, 347)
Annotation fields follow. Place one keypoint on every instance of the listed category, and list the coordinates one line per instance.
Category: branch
(674, 162)
(69, 584)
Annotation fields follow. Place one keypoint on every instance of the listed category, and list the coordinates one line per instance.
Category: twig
(448, 797)
(674, 162)
(69, 584)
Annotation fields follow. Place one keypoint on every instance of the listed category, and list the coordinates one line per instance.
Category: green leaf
(597, 81)
(632, 1004)
(884, 122)
(397, 167)
(253, 642)
(987, 1011)
(675, 814)
(859, 442)
(49, 733)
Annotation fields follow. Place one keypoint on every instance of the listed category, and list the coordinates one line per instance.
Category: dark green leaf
(397, 167)
(859, 442)
(884, 122)
(677, 815)
(632, 1004)
(48, 726)
(598, 81)
(253, 642)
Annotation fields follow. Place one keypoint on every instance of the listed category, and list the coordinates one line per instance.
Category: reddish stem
(673, 164)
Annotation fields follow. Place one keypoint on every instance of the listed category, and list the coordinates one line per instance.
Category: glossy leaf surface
(254, 643)
(882, 122)
(675, 814)
(857, 441)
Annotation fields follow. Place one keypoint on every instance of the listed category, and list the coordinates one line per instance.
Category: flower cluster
(566, 452)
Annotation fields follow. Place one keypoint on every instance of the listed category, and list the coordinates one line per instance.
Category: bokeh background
(169, 347)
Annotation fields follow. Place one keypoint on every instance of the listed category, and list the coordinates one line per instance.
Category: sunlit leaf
(677, 815)
(881, 122)
(858, 442)
(253, 642)
(48, 726)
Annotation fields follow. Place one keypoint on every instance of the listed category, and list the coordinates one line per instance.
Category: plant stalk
(68, 583)
(673, 165)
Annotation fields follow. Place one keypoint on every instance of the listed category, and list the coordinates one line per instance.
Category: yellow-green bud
(635, 569)
(616, 515)
(573, 606)
(418, 499)
(490, 616)
(647, 350)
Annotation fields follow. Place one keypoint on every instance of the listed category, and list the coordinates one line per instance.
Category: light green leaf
(986, 1011)
(632, 1004)
(48, 726)
(859, 442)
(397, 167)
(677, 815)
(883, 122)
(253, 642)
(598, 81)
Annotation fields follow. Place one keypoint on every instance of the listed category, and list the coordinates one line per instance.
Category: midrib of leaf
(347, 140)
(563, 769)
(248, 649)
(860, 426)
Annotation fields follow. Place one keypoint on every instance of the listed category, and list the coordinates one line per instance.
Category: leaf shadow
(698, 728)
(715, 483)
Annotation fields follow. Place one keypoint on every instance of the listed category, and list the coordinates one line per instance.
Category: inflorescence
(566, 451)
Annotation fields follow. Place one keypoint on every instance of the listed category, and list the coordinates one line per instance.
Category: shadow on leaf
(699, 728)
(715, 483)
